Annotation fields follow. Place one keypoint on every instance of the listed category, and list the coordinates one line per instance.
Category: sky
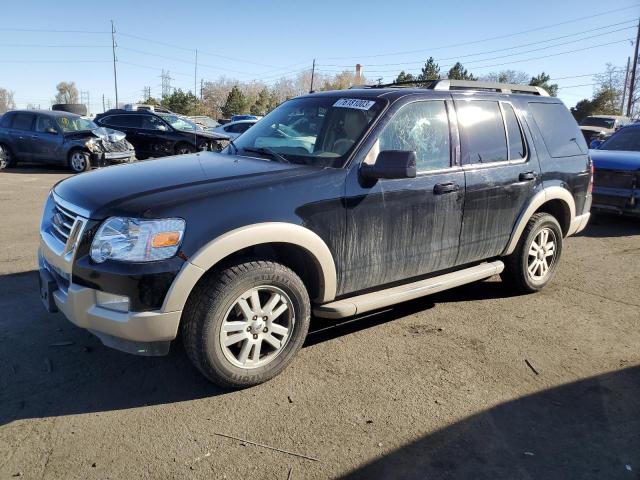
(42, 43)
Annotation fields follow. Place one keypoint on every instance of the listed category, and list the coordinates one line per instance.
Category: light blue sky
(263, 40)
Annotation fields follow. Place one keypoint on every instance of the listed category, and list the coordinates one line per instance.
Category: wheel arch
(556, 201)
(295, 246)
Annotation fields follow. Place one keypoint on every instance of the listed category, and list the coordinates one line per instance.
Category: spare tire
(77, 108)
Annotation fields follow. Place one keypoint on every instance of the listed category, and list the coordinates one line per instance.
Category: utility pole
(624, 89)
(313, 72)
(166, 83)
(103, 109)
(113, 49)
(195, 76)
(146, 93)
(632, 82)
(201, 88)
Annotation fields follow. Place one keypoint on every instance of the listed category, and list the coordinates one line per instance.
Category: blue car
(616, 163)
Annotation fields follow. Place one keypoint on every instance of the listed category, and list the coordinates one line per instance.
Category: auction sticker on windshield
(354, 103)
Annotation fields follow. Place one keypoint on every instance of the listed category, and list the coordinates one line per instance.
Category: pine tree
(404, 77)
(236, 103)
(262, 102)
(430, 71)
(542, 80)
(458, 72)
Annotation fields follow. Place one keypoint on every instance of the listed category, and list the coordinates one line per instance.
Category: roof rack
(447, 84)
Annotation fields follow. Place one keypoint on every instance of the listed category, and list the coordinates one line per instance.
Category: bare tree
(67, 93)
(507, 76)
(6, 100)
(609, 88)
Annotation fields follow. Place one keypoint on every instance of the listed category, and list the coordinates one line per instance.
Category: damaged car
(60, 138)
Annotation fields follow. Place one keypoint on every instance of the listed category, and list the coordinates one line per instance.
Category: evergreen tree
(404, 77)
(542, 80)
(262, 102)
(236, 103)
(458, 72)
(430, 71)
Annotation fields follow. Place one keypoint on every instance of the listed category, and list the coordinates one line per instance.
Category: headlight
(135, 240)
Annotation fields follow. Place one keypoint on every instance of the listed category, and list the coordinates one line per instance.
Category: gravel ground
(435, 388)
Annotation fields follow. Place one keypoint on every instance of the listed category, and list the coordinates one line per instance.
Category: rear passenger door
(501, 174)
(21, 132)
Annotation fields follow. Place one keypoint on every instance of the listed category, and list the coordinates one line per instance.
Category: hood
(615, 159)
(206, 134)
(101, 190)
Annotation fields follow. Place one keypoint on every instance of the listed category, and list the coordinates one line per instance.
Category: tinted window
(43, 123)
(481, 131)
(5, 120)
(150, 122)
(22, 121)
(627, 139)
(559, 130)
(422, 127)
(516, 143)
(132, 121)
(243, 127)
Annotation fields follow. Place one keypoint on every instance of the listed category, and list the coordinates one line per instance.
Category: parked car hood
(206, 134)
(615, 159)
(101, 192)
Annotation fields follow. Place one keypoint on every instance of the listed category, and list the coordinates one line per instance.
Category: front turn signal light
(165, 239)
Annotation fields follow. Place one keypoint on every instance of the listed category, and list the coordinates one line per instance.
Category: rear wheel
(79, 161)
(533, 263)
(244, 324)
(6, 158)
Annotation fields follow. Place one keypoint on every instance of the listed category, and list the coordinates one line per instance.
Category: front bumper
(106, 158)
(142, 332)
(621, 201)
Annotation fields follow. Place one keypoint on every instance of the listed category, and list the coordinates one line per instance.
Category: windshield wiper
(266, 151)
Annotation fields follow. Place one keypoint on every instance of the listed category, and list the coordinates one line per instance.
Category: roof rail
(477, 85)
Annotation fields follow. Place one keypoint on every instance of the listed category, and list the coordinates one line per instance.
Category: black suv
(387, 195)
(158, 134)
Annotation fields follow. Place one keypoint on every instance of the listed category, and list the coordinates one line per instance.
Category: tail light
(591, 169)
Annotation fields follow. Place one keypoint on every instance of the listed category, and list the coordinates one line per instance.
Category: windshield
(75, 124)
(627, 139)
(598, 122)
(318, 131)
(178, 123)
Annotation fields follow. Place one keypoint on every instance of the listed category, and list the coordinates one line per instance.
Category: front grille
(120, 146)
(62, 223)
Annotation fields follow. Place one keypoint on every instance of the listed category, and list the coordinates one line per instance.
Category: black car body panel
(27, 140)
(152, 136)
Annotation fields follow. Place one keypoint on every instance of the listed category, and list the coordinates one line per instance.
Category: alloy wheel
(257, 327)
(78, 162)
(542, 254)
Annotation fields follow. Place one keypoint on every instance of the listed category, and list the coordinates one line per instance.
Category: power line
(52, 31)
(39, 45)
(511, 48)
(473, 42)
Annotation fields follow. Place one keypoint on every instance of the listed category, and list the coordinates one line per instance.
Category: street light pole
(113, 50)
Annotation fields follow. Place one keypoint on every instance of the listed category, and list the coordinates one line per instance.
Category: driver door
(399, 229)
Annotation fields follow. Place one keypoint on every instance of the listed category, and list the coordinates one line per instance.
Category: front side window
(318, 130)
(598, 122)
(481, 131)
(178, 123)
(75, 124)
(22, 121)
(627, 139)
(422, 127)
(44, 123)
(150, 122)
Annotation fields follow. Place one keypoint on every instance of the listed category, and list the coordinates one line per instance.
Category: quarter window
(559, 130)
(422, 127)
(516, 142)
(482, 131)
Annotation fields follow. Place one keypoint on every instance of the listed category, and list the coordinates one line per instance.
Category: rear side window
(516, 142)
(5, 120)
(422, 127)
(123, 121)
(482, 131)
(22, 121)
(559, 130)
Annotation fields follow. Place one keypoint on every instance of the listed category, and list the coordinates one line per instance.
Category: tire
(7, 160)
(184, 149)
(530, 268)
(79, 161)
(217, 300)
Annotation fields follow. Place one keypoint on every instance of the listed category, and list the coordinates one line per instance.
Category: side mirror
(51, 130)
(595, 144)
(162, 128)
(391, 164)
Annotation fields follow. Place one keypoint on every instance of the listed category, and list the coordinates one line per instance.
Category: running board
(349, 307)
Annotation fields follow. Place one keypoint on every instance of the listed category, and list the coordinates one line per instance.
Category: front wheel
(79, 161)
(184, 148)
(533, 263)
(243, 325)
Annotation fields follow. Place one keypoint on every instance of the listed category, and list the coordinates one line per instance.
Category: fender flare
(249, 236)
(547, 194)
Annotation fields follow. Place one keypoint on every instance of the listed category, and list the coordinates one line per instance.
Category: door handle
(448, 187)
(527, 176)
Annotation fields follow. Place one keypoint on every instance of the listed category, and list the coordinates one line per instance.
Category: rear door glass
(22, 121)
(481, 131)
(559, 129)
